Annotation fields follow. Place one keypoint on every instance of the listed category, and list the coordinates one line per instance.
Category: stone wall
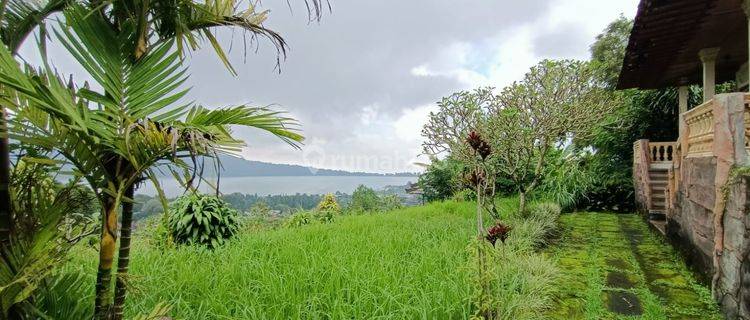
(690, 222)
(734, 286)
(690, 228)
(704, 187)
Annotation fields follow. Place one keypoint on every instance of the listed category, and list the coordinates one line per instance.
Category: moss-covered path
(614, 267)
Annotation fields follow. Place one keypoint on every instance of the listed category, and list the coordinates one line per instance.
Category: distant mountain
(236, 167)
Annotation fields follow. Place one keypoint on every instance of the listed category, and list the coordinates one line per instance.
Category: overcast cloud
(363, 80)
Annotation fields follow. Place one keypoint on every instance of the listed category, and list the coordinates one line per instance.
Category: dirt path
(614, 267)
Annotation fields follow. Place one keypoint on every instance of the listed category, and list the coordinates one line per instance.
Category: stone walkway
(614, 267)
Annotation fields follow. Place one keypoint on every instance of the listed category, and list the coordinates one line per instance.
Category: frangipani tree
(446, 133)
(557, 101)
(117, 137)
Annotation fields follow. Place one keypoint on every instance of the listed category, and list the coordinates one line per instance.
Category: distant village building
(693, 184)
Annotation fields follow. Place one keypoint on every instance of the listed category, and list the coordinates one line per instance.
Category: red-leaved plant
(499, 231)
(480, 146)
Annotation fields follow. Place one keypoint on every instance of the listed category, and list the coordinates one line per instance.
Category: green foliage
(300, 218)
(566, 179)
(514, 281)
(156, 231)
(328, 209)
(30, 262)
(519, 284)
(329, 203)
(322, 271)
(61, 294)
(608, 51)
(282, 203)
(390, 202)
(365, 199)
(464, 195)
(202, 219)
(261, 210)
(440, 180)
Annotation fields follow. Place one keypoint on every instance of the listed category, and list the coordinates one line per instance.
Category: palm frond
(261, 118)
(21, 17)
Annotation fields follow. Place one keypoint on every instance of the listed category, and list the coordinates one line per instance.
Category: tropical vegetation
(115, 138)
(504, 164)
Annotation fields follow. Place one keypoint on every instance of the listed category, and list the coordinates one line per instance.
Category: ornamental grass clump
(202, 220)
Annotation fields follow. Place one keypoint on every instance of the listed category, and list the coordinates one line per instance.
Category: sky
(363, 80)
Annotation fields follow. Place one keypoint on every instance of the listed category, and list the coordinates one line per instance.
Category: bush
(260, 210)
(464, 195)
(202, 219)
(391, 202)
(364, 199)
(440, 179)
(328, 209)
(566, 179)
(299, 218)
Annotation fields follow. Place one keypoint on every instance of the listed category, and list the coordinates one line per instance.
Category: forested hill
(237, 167)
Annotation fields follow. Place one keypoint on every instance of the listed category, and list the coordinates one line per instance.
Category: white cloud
(363, 80)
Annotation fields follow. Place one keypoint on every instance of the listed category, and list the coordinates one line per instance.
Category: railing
(700, 128)
(661, 152)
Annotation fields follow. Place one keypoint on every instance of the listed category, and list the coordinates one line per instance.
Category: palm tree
(187, 21)
(17, 20)
(136, 124)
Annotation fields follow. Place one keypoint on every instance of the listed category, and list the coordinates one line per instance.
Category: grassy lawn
(407, 264)
(416, 263)
(614, 267)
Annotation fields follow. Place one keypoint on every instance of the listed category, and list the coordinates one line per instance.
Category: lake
(284, 185)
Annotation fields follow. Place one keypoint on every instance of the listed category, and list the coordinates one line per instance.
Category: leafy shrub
(566, 178)
(464, 195)
(364, 199)
(61, 296)
(390, 202)
(440, 179)
(299, 218)
(328, 209)
(260, 209)
(202, 219)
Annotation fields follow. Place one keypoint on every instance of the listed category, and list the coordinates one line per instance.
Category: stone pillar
(682, 94)
(746, 7)
(708, 57)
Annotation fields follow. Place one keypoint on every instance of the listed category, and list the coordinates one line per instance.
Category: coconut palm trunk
(106, 257)
(123, 258)
(6, 217)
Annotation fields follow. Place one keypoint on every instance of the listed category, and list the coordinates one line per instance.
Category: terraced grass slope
(614, 267)
(407, 264)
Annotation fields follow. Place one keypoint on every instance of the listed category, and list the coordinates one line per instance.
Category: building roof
(667, 36)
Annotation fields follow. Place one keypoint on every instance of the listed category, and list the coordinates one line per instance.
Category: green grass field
(406, 264)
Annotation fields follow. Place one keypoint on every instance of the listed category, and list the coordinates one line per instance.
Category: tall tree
(555, 102)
